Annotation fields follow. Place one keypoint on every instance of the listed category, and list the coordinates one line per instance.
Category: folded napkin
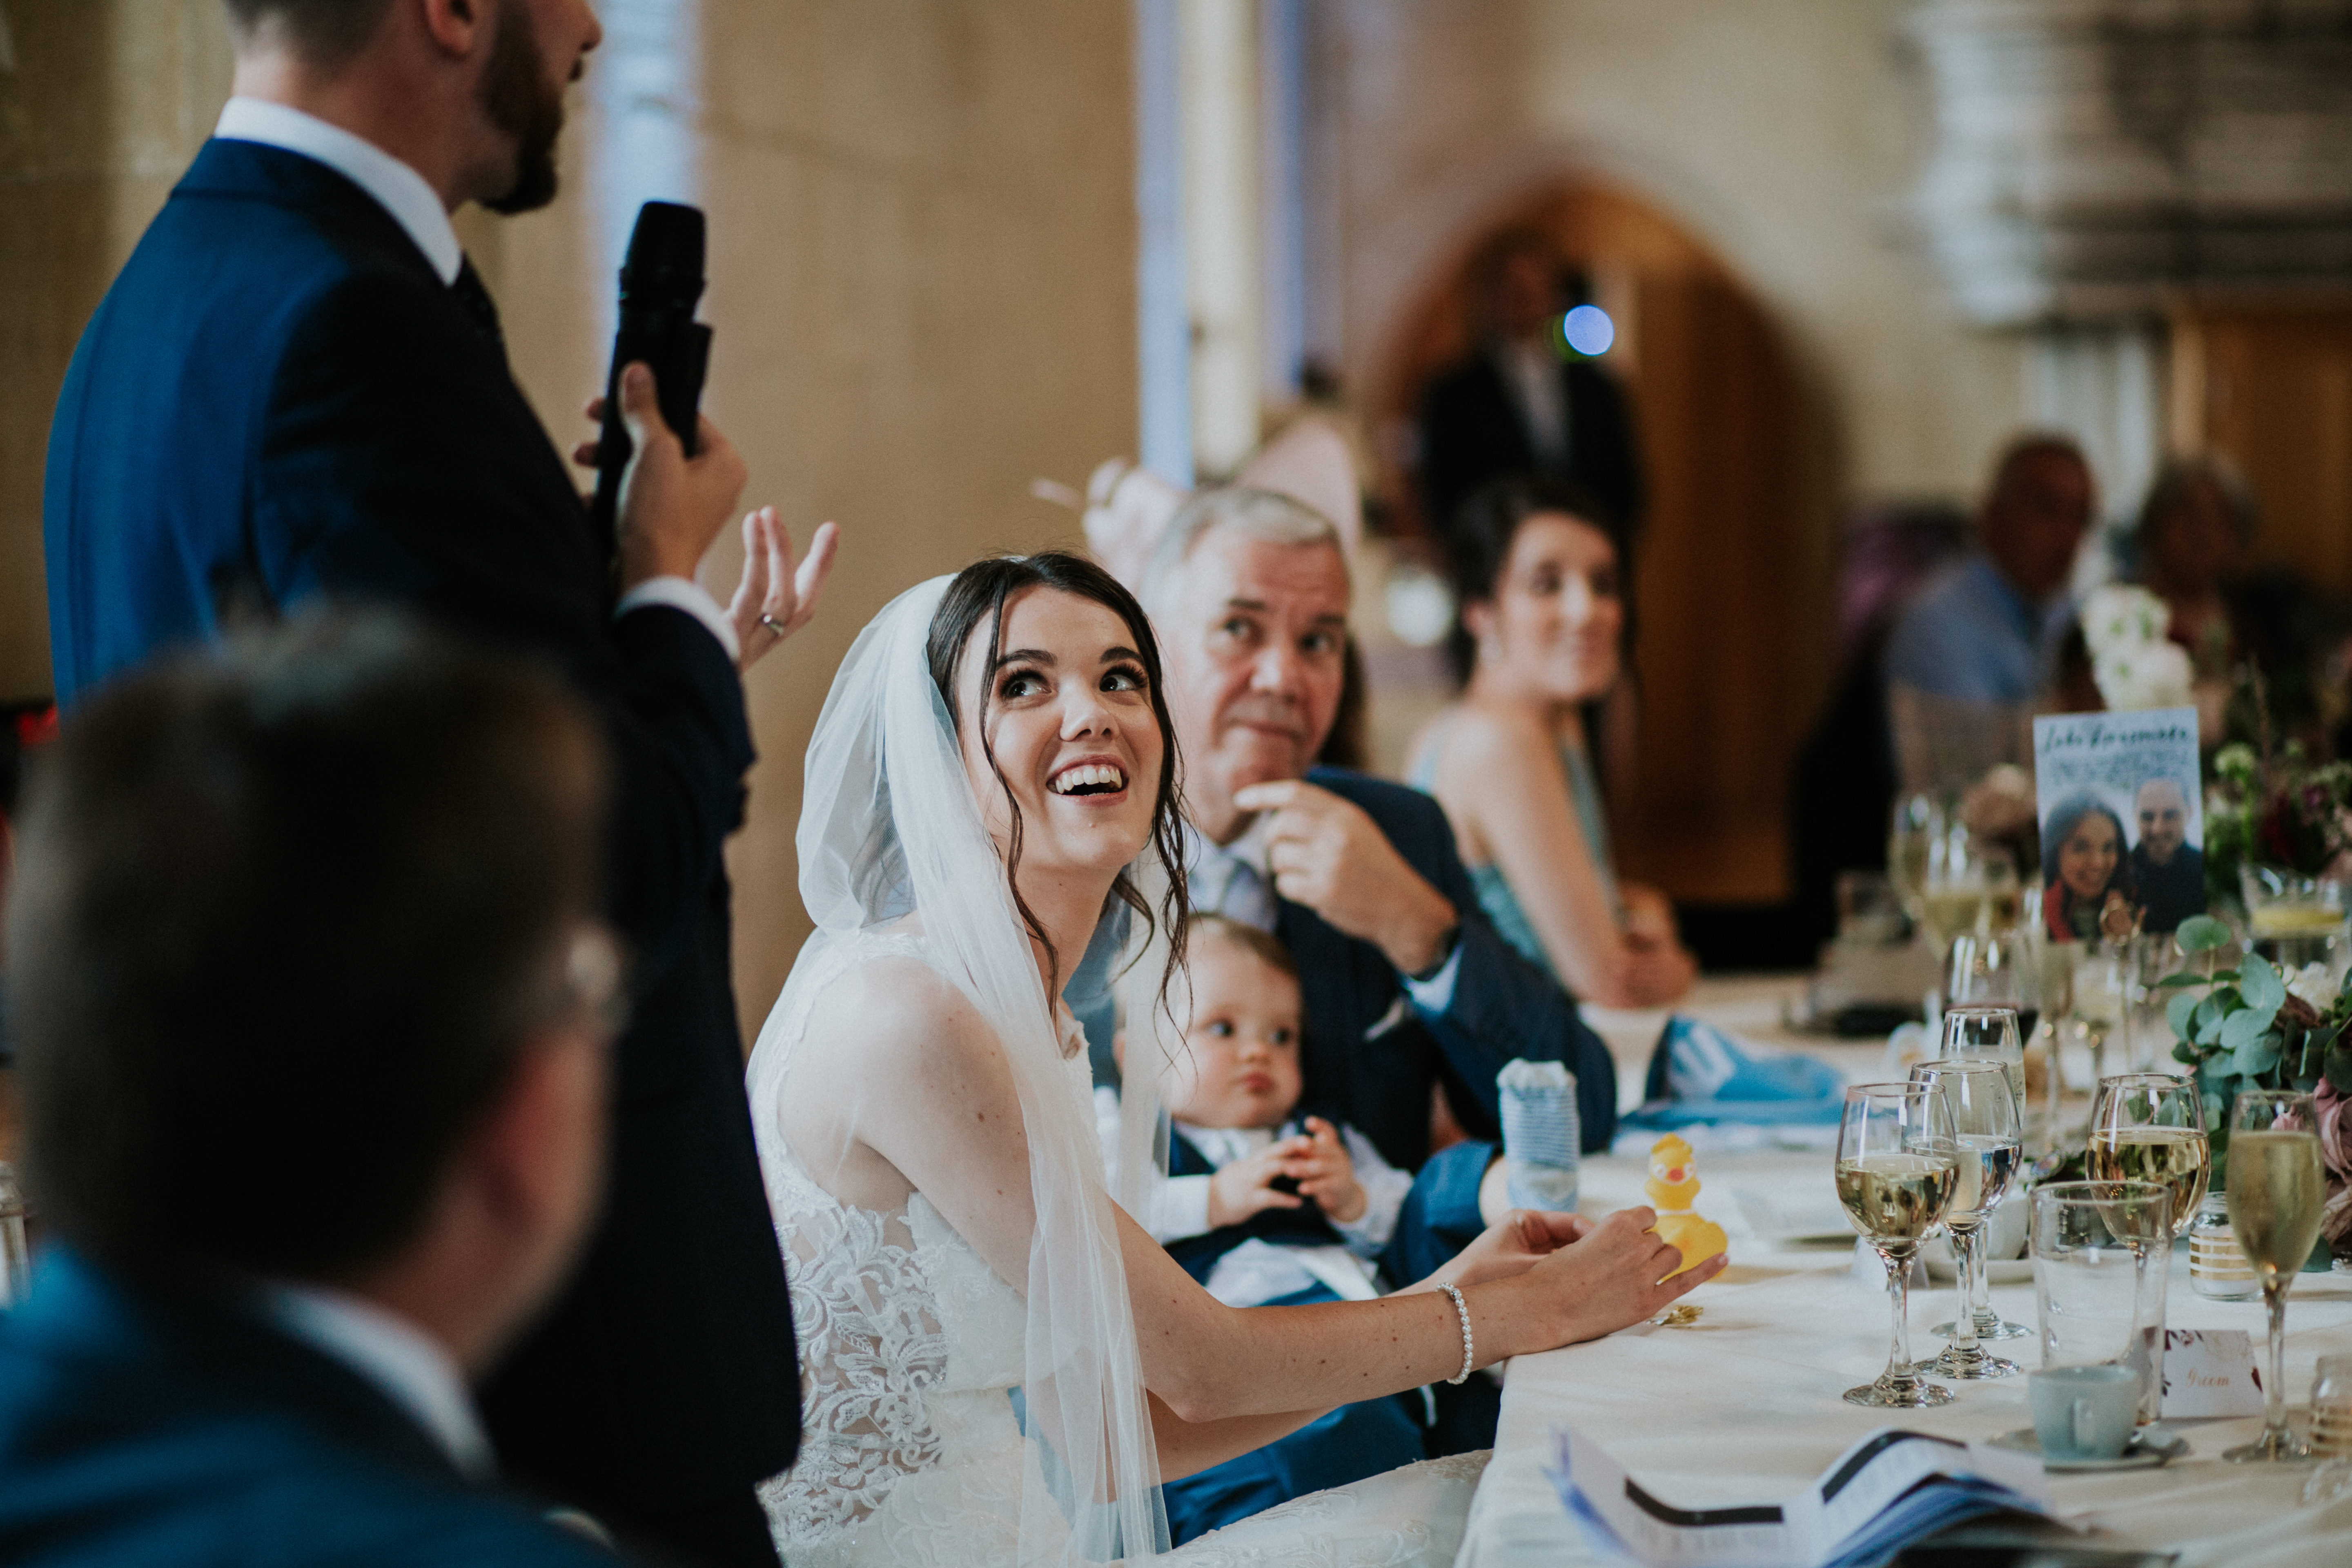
(1699, 1074)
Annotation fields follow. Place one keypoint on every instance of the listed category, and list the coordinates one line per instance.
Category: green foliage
(2199, 933)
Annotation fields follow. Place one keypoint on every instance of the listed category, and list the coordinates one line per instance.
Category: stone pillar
(1222, 259)
(102, 103)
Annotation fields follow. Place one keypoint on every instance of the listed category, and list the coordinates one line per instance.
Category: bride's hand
(1614, 1276)
(1513, 1245)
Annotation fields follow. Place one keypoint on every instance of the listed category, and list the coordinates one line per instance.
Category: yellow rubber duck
(1672, 1188)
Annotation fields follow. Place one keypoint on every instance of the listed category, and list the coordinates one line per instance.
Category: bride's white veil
(889, 827)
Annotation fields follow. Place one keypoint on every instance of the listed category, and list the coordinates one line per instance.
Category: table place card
(2211, 1372)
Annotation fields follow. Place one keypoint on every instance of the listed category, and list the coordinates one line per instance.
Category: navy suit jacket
(279, 402)
(1472, 433)
(1370, 1063)
(145, 1424)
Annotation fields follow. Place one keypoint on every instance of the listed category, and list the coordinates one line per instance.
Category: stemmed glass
(1896, 1176)
(2150, 1127)
(1918, 822)
(1985, 1154)
(2102, 983)
(1987, 1031)
(2276, 1188)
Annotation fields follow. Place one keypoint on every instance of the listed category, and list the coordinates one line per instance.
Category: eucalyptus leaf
(2256, 1056)
(2181, 1012)
(2246, 1024)
(2209, 1016)
(2199, 933)
(2339, 1069)
(2175, 981)
(2182, 1051)
(2260, 983)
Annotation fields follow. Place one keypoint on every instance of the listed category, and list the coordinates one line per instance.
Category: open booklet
(1889, 1489)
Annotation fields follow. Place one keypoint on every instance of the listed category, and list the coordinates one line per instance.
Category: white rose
(2311, 983)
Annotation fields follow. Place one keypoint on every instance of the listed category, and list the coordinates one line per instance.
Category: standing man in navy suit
(297, 390)
(313, 1008)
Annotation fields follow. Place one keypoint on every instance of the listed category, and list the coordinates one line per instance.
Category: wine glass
(2150, 1127)
(1953, 898)
(2002, 896)
(1896, 1176)
(1988, 1031)
(2276, 1186)
(1918, 820)
(2102, 999)
(1986, 1151)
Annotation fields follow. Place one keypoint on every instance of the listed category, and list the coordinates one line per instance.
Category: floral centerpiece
(2256, 1027)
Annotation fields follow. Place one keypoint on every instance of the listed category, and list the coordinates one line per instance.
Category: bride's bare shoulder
(895, 1011)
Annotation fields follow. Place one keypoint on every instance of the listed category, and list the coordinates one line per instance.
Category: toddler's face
(1244, 1037)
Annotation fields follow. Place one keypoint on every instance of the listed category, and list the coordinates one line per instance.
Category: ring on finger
(773, 624)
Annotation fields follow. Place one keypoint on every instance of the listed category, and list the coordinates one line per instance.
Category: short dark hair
(981, 590)
(322, 32)
(1478, 545)
(286, 911)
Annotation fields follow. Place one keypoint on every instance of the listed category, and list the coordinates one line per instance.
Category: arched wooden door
(1733, 565)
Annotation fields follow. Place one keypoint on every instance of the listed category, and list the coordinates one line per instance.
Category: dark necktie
(477, 302)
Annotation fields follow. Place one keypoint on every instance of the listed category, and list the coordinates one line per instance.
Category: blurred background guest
(313, 1008)
(1525, 401)
(1539, 570)
(1988, 628)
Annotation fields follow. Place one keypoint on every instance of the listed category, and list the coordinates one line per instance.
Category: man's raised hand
(1328, 854)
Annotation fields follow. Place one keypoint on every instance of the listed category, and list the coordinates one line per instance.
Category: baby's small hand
(1326, 1174)
(1242, 1188)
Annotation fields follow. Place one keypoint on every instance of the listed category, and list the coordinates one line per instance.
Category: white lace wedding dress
(911, 1359)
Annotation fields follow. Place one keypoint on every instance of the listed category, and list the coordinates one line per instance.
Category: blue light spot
(1589, 329)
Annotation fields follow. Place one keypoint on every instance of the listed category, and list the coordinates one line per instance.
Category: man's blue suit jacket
(278, 403)
(142, 1425)
(1370, 1063)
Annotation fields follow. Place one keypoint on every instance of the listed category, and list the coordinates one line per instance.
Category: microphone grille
(665, 250)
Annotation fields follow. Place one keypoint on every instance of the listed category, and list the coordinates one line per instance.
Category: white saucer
(2147, 1450)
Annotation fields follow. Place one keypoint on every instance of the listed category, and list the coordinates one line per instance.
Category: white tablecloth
(1745, 1404)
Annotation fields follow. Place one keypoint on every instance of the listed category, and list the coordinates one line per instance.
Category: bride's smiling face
(1066, 711)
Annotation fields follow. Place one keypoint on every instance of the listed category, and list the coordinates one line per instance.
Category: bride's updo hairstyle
(979, 590)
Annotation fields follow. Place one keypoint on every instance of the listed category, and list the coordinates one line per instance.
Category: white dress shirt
(1532, 372)
(408, 1365)
(402, 192)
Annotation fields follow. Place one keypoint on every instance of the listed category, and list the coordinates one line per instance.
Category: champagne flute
(2276, 1187)
(1988, 1031)
(2150, 1127)
(1896, 1176)
(1985, 1152)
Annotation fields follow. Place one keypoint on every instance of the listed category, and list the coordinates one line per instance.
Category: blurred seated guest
(1986, 629)
(2196, 531)
(1538, 571)
(1522, 403)
(310, 1004)
(2087, 892)
(2166, 870)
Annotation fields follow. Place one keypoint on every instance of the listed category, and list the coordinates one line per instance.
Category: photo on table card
(2123, 824)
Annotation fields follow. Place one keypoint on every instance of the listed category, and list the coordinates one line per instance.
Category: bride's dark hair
(980, 589)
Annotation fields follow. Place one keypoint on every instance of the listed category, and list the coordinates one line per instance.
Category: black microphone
(660, 283)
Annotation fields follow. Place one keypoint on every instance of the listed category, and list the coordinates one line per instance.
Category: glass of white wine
(2150, 1127)
(1953, 898)
(1918, 821)
(1990, 1031)
(2276, 1186)
(2103, 976)
(1985, 1152)
(1896, 1176)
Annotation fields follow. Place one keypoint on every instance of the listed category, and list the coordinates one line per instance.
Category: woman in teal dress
(1536, 570)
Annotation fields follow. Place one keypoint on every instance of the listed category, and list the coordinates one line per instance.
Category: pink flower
(2336, 1151)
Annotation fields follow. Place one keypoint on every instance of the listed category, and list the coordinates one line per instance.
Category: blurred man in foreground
(312, 1005)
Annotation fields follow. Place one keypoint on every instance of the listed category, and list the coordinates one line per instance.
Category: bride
(998, 1365)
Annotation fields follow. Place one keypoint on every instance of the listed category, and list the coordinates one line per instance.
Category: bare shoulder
(897, 1014)
(1486, 736)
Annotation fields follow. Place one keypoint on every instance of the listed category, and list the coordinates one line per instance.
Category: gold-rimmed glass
(1895, 1177)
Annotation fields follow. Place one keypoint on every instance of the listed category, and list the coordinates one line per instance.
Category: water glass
(2101, 1250)
(1895, 1177)
(2276, 1187)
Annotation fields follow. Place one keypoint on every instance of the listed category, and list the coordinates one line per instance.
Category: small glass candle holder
(2331, 1408)
(2216, 1264)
